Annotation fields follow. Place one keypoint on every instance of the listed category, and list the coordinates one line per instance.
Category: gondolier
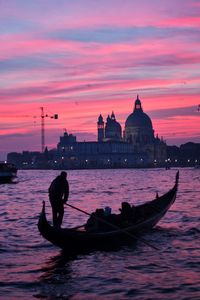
(77, 239)
(58, 196)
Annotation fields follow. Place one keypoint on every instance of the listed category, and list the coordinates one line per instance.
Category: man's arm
(66, 192)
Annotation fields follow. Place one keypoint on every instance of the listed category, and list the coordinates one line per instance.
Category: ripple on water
(30, 267)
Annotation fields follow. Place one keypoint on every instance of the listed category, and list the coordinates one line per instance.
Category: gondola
(77, 239)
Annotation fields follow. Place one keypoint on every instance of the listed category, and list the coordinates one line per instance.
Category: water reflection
(135, 271)
(57, 265)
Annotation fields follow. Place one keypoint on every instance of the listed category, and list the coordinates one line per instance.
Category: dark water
(31, 268)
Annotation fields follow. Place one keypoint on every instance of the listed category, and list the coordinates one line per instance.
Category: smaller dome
(117, 126)
(113, 125)
(113, 129)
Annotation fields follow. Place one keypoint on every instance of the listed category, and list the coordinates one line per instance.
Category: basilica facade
(135, 146)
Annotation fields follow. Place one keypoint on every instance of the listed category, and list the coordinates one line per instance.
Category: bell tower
(100, 128)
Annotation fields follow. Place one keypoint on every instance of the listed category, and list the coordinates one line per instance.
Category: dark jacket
(59, 188)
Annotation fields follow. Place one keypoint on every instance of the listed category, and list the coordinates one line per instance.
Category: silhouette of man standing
(58, 195)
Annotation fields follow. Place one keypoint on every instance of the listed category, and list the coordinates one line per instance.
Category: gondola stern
(42, 218)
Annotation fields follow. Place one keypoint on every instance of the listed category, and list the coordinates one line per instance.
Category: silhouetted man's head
(63, 174)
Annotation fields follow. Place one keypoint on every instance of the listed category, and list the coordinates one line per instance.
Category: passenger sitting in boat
(102, 220)
(126, 211)
(133, 207)
(107, 211)
(95, 222)
(91, 222)
(99, 217)
(140, 213)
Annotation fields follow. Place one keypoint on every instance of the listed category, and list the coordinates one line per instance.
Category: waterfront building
(138, 147)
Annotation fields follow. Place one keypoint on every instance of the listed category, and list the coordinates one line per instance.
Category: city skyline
(81, 59)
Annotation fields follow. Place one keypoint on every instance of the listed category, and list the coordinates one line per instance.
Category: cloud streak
(79, 60)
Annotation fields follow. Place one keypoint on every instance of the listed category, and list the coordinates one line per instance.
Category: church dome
(138, 118)
(113, 128)
(112, 124)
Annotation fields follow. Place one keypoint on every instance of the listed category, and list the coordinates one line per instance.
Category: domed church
(113, 130)
(136, 147)
(138, 126)
(138, 133)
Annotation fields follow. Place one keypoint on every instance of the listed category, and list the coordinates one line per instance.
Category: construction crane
(43, 116)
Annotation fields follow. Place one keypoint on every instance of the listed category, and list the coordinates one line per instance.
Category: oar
(114, 226)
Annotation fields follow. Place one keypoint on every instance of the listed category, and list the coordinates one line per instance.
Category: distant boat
(8, 172)
(78, 239)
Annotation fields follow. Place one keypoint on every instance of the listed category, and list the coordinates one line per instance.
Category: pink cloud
(158, 57)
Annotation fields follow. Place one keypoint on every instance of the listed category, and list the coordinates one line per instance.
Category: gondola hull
(75, 240)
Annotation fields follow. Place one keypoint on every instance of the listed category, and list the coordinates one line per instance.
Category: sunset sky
(81, 58)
